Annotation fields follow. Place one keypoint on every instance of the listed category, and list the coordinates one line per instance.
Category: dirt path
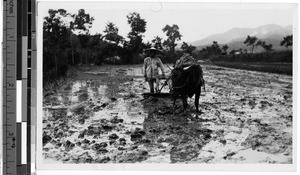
(101, 117)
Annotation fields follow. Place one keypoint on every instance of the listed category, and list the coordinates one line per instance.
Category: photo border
(165, 167)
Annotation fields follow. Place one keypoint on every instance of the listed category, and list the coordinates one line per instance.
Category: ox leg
(197, 97)
(174, 103)
(174, 100)
(184, 101)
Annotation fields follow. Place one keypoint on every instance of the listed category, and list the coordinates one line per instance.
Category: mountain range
(234, 38)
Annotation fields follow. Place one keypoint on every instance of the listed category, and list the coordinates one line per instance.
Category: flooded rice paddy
(101, 116)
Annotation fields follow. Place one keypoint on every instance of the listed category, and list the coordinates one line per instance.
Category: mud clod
(116, 120)
(113, 136)
(223, 141)
(107, 127)
(103, 144)
(137, 135)
(99, 149)
(122, 141)
(86, 141)
(46, 139)
(103, 160)
(69, 145)
(104, 105)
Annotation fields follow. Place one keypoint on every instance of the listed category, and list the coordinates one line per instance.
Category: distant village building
(237, 52)
(240, 51)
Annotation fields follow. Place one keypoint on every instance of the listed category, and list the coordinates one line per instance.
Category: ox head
(179, 78)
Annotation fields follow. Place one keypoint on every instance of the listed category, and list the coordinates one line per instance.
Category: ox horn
(186, 68)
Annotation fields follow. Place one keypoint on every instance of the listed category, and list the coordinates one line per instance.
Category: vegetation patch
(275, 67)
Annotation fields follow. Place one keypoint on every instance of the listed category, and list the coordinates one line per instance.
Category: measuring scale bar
(16, 87)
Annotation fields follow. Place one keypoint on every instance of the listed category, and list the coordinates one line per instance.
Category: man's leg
(151, 85)
(170, 86)
(157, 85)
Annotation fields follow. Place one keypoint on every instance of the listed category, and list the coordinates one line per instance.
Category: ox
(186, 82)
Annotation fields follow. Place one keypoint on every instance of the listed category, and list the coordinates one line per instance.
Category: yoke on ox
(186, 82)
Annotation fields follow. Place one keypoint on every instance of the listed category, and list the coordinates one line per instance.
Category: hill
(234, 38)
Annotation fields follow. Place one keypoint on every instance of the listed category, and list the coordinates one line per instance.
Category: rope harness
(178, 87)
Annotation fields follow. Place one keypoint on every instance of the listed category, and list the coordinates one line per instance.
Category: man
(151, 69)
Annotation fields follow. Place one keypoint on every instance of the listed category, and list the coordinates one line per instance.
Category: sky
(195, 20)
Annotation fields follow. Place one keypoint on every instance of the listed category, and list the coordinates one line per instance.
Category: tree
(84, 51)
(138, 27)
(113, 39)
(212, 50)
(111, 33)
(147, 45)
(250, 41)
(157, 42)
(93, 46)
(225, 48)
(268, 47)
(75, 45)
(260, 43)
(56, 40)
(59, 30)
(173, 35)
(215, 48)
(82, 22)
(287, 41)
(232, 51)
(187, 48)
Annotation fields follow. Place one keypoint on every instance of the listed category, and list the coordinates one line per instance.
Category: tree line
(253, 42)
(67, 41)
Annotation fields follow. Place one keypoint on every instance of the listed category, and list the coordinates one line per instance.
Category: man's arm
(145, 67)
(161, 67)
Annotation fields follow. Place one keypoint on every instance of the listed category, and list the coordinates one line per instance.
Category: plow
(163, 82)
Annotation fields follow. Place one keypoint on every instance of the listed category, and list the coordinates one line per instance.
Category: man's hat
(153, 49)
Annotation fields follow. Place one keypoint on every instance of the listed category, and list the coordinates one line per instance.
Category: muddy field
(101, 116)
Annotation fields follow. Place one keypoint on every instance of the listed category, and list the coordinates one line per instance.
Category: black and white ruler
(19, 86)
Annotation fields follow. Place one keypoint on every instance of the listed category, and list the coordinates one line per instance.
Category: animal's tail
(203, 84)
(202, 79)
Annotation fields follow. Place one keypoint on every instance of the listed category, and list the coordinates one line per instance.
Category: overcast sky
(195, 20)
